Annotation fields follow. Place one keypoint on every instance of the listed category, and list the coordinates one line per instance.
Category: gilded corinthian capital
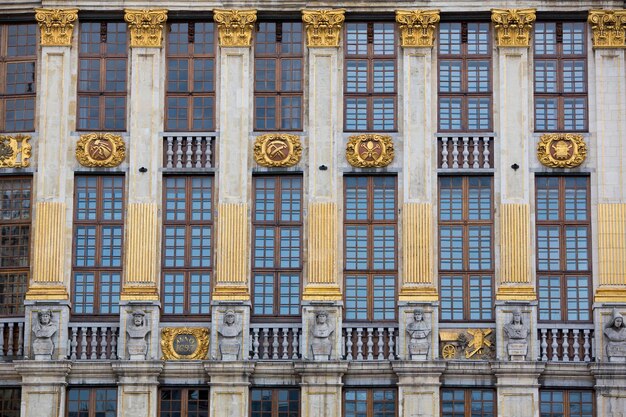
(417, 27)
(146, 27)
(513, 26)
(608, 27)
(235, 26)
(56, 26)
(323, 27)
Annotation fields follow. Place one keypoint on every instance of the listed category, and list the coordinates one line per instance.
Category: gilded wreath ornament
(177, 339)
(323, 27)
(608, 28)
(513, 26)
(56, 26)
(369, 151)
(561, 150)
(277, 150)
(15, 151)
(146, 27)
(417, 27)
(100, 150)
(235, 26)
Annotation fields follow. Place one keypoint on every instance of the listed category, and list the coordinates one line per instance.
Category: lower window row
(285, 402)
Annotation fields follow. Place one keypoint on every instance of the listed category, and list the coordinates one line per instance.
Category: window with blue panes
(92, 402)
(275, 402)
(461, 402)
(566, 403)
(370, 402)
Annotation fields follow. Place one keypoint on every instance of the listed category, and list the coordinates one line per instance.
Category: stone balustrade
(188, 151)
(369, 343)
(566, 344)
(466, 151)
(92, 341)
(11, 338)
(272, 341)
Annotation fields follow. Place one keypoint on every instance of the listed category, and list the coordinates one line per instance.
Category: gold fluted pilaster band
(611, 253)
(515, 274)
(417, 27)
(235, 26)
(48, 252)
(146, 27)
(608, 28)
(232, 253)
(140, 277)
(417, 271)
(323, 27)
(513, 26)
(322, 250)
(56, 26)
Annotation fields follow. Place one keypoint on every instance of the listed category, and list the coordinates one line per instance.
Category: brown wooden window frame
(370, 95)
(92, 400)
(279, 94)
(97, 269)
(465, 58)
(27, 98)
(275, 401)
(563, 273)
(10, 401)
(466, 273)
(370, 402)
(193, 60)
(202, 285)
(280, 311)
(102, 58)
(560, 58)
(566, 403)
(185, 400)
(13, 288)
(468, 401)
(374, 278)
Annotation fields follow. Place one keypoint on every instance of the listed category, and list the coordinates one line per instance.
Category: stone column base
(518, 388)
(43, 387)
(418, 387)
(230, 383)
(137, 390)
(321, 387)
(610, 388)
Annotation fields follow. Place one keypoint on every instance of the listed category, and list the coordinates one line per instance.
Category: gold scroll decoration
(100, 150)
(515, 273)
(417, 27)
(277, 150)
(322, 282)
(611, 253)
(513, 26)
(417, 249)
(561, 150)
(608, 28)
(56, 26)
(15, 151)
(146, 27)
(48, 252)
(140, 277)
(369, 151)
(186, 343)
(235, 26)
(323, 27)
(475, 344)
(232, 253)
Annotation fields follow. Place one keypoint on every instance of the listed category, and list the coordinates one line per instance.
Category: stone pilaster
(417, 34)
(321, 388)
(43, 387)
(610, 388)
(230, 383)
(418, 387)
(137, 388)
(518, 388)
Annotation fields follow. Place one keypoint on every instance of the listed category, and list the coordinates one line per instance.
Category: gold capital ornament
(323, 27)
(100, 150)
(608, 28)
(56, 26)
(277, 150)
(561, 150)
(369, 151)
(417, 27)
(15, 151)
(513, 26)
(146, 27)
(235, 26)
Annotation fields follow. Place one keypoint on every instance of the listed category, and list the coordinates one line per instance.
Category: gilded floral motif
(323, 27)
(417, 27)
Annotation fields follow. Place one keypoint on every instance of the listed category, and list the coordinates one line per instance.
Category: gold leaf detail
(15, 151)
(169, 336)
(146, 27)
(417, 27)
(277, 150)
(56, 26)
(513, 26)
(561, 150)
(369, 151)
(323, 27)
(100, 150)
(235, 26)
(608, 28)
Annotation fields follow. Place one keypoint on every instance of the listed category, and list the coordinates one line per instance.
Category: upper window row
(465, 79)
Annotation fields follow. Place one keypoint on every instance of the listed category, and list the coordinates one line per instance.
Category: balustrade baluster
(198, 140)
(586, 345)
(255, 343)
(170, 153)
(10, 340)
(455, 152)
(94, 345)
(208, 153)
(189, 152)
(544, 345)
(266, 343)
(555, 345)
(465, 152)
(359, 344)
(83, 344)
(179, 152)
(566, 346)
(294, 344)
(113, 343)
(349, 343)
(275, 343)
(2, 340)
(475, 153)
(486, 153)
(392, 344)
(103, 342)
(20, 339)
(444, 153)
(73, 343)
(370, 343)
(576, 345)
(285, 344)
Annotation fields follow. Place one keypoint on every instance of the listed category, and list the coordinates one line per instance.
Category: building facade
(354, 208)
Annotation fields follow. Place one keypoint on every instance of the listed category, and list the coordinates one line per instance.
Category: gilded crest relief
(184, 343)
(277, 150)
(370, 151)
(100, 150)
(15, 151)
(561, 150)
(467, 344)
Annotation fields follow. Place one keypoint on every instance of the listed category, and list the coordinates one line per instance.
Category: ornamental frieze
(56, 26)
(277, 150)
(100, 150)
(369, 151)
(323, 27)
(513, 26)
(467, 344)
(146, 27)
(184, 343)
(608, 28)
(561, 150)
(235, 26)
(417, 27)
(15, 151)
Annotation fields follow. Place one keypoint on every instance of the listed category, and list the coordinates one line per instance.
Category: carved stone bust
(322, 333)
(44, 328)
(137, 329)
(228, 332)
(418, 330)
(516, 333)
(615, 336)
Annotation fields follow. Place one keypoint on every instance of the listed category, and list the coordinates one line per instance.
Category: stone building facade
(313, 208)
